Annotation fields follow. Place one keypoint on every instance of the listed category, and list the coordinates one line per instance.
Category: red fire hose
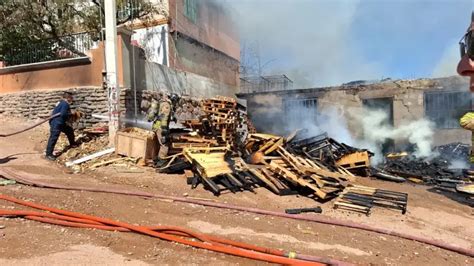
(31, 127)
(174, 234)
(24, 179)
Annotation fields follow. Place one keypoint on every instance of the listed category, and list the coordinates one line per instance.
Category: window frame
(445, 112)
(190, 8)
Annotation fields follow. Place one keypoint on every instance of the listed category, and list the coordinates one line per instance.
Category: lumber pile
(221, 157)
(363, 199)
(284, 171)
(217, 127)
(332, 153)
(214, 168)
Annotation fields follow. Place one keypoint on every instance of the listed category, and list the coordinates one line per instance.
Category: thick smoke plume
(376, 131)
(332, 42)
(370, 128)
(331, 121)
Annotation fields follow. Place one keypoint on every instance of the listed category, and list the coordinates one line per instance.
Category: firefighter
(466, 68)
(161, 113)
(467, 122)
(60, 124)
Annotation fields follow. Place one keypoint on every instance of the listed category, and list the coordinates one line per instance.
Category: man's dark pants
(55, 131)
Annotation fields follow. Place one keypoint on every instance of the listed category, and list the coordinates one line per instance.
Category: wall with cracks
(268, 110)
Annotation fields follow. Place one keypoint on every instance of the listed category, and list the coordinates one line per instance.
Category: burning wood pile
(283, 171)
(443, 169)
(223, 155)
(332, 153)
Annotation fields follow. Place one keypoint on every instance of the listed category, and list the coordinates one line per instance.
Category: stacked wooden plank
(179, 141)
(332, 153)
(284, 171)
(216, 128)
(216, 171)
(222, 116)
(362, 199)
(211, 146)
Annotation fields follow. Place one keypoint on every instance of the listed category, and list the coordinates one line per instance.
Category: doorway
(384, 104)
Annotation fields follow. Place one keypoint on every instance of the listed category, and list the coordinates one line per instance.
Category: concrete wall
(214, 25)
(267, 109)
(209, 46)
(152, 76)
(65, 74)
(69, 73)
(191, 56)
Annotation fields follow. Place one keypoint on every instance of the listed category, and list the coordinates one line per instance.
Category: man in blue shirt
(59, 124)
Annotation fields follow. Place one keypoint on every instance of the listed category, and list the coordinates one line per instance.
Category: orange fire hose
(171, 230)
(28, 179)
(83, 220)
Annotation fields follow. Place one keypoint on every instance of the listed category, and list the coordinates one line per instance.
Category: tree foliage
(40, 24)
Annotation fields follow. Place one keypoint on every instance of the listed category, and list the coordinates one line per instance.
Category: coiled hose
(29, 179)
(170, 233)
(31, 127)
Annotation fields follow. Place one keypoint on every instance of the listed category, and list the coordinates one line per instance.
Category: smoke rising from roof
(371, 132)
(319, 43)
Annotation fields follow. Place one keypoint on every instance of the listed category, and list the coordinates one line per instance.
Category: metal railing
(64, 47)
(265, 83)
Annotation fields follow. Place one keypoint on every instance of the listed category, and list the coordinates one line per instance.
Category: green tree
(33, 30)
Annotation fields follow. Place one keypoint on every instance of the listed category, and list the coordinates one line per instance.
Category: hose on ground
(174, 234)
(30, 127)
(24, 179)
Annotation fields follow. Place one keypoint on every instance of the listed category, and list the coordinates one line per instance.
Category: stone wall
(40, 103)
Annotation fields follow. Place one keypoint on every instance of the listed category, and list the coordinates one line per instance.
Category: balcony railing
(65, 47)
(265, 83)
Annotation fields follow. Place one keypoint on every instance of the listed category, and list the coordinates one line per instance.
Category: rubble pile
(418, 170)
(224, 156)
(438, 170)
(331, 153)
(454, 152)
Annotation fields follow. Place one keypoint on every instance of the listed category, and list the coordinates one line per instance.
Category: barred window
(298, 109)
(445, 108)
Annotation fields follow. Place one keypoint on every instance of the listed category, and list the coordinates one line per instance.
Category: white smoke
(330, 121)
(372, 132)
(375, 131)
(448, 62)
(458, 164)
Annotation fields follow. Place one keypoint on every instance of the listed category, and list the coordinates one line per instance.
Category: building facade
(441, 101)
(187, 46)
(193, 36)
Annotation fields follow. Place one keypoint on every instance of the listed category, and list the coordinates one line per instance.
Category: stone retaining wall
(40, 103)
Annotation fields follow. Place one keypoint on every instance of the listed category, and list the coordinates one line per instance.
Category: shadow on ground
(12, 157)
(459, 197)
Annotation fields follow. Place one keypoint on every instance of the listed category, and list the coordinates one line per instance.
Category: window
(445, 108)
(301, 110)
(190, 9)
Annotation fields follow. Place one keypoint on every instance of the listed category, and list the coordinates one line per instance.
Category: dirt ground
(432, 213)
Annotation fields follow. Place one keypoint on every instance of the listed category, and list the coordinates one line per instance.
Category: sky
(329, 42)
